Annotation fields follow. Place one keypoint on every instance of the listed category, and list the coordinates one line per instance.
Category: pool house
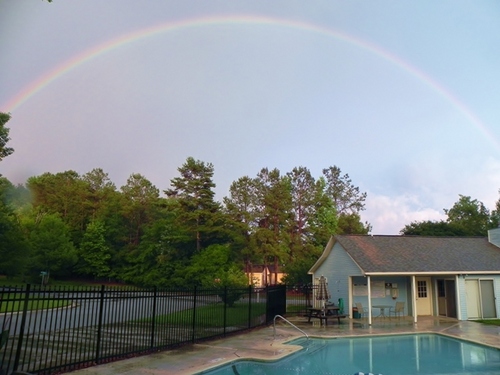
(456, 277)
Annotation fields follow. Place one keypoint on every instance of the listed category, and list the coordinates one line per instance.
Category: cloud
(428, 195)
(388, 215)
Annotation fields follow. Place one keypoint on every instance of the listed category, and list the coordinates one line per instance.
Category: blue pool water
(387, 355)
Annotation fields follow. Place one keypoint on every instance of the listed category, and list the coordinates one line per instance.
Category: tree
(159, 260)
(242, 212)
(346, 197)
(198, 210)
(304, 198)
(214, 267)
(470, 215)
(467, 217)
(272, 235)
(4, 136)
(351, 224)
(100, 189)
(495, 214)
(431, 228)
(94, 252)
(65, 194)
(53, 250)
(314, 221)
(347, 200)
(14, 249)
(141, 201)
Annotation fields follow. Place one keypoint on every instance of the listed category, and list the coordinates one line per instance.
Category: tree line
(71, 225)
(467, 217)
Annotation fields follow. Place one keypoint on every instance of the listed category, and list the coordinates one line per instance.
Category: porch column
(414, 298)
(349, 293)
(369, 300)
(458, 302)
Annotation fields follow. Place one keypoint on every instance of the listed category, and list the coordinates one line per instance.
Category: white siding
(462, 292)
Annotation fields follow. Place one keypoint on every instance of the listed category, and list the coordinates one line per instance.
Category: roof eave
(324, 255)
(427, 273)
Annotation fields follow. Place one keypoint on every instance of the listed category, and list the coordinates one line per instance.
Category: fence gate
(276, 302)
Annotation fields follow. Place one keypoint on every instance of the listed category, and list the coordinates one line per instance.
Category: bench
(324, 314)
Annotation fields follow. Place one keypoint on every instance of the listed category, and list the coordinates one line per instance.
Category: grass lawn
(492, 322)
(19, 282)
(13, 306)
(213, 315)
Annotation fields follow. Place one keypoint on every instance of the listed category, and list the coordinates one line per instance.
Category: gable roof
(419, 254)
(260, 268)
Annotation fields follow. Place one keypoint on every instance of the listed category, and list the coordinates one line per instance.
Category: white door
(472, 299)
(424, 296)
(488, 308)
(480, 298)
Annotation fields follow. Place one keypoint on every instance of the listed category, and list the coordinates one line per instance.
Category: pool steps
(287, 321)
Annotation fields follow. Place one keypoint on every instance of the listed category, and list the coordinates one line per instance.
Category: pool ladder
(287, 321)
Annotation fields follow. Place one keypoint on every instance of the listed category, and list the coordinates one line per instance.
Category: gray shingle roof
(421, 254)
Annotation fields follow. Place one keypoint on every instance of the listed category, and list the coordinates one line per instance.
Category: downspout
(369, 301)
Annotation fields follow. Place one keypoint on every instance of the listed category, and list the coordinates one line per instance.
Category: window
(441, 289)
(422, 289)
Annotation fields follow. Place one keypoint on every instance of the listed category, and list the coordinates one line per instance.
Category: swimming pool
(422, 354)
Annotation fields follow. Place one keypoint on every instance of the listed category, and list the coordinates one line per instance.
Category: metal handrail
(293, 325)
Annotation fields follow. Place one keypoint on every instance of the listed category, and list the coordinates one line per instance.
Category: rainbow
(237, 20)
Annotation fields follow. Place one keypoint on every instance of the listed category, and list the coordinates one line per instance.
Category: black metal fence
(49, 330)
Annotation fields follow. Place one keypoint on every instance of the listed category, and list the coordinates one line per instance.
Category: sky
(403, 96)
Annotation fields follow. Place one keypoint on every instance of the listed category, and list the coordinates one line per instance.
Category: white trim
(369, 301)
(414, 297)
(457, 298)
(324, 255)
(349, 289)
(434, 273)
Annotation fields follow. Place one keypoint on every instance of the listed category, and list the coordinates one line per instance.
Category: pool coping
(271, 344)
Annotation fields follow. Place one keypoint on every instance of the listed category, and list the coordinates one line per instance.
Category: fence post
(194, 315)
(225, 310)
(21, 330)
(153, 319)
(249, 306)
(99, 326)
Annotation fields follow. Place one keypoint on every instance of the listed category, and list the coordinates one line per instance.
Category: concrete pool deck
(261, 344)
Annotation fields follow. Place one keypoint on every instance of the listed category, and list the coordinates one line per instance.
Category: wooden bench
(324, 314)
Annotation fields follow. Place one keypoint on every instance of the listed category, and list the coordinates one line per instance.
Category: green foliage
(470, 216)
(52, 248)
(297, 271)
(64, 194)
(214, 268)
(133, 235)
(4, 136)
(351, 224)
(467, 217)
(346, 198)
(94, 252)
(432, 228)
(198, 211)
(141, 202)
